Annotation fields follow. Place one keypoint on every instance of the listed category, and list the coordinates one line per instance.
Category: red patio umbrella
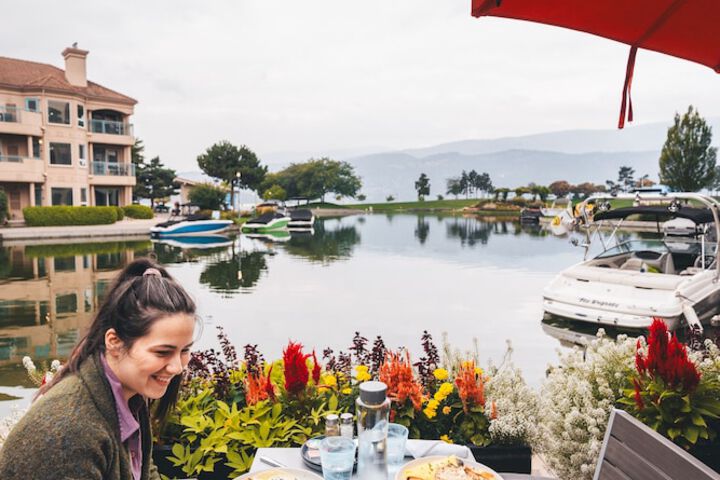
(687, 29)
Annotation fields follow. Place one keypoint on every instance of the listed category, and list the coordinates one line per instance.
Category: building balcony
(111, 132)
(19, 122)
(14, 168)
(112, 173)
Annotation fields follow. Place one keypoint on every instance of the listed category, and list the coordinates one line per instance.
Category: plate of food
(442, 467)
(281, 474)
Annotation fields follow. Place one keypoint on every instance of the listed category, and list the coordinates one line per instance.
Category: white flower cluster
(28, 364)
(516, 405)
(7, 423)
(576, 400)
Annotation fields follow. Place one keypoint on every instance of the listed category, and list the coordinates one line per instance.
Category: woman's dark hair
(134, 302)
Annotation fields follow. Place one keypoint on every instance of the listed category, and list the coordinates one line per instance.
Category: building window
(83, 196)
(32, 104)
(36, 147)
(81, 116)
(62, 196)
(38, 195)
(60, 154)
(107, 197)
(59, 112)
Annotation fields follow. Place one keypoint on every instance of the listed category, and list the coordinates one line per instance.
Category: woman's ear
(113, 344)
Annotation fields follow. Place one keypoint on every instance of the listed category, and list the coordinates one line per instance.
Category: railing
(12, 158)
(113, 168)
(9, 114)
(111, 127)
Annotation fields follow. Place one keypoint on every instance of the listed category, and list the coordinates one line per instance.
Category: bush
(138, 211)
(3, 206)
(66, 215)
(120, 213)
(207, 197)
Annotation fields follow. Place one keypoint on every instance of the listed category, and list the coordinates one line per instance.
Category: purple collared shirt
(129, 426)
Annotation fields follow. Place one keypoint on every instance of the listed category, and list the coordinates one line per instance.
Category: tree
(316, 178)
(625, 178)
(154, 181)
(276, 192)
(389, 198)
(361, 197)
(454, 187)
(225, 161)
(560, 188)
(207, 197)
(422, 185)
(137, 157)
(472, 181)
(483, 182)
(687, 160)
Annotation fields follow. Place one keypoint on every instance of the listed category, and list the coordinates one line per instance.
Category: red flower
(667, 359)
(269, 388)
(316, 369)
(638, 398)
(296, 369)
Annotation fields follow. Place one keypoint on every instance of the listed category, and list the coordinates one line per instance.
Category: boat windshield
(631, 246)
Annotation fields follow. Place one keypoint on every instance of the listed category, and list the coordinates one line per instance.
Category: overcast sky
(324, 75)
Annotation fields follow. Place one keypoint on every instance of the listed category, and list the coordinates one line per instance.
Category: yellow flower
(329, 380)
(445, 439)
(346, 391)
(446, 410)
(440, 374)
(362, 374)
(446, 388)
(429, 412)
(478, 371)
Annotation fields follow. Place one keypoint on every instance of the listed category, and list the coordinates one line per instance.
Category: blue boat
(191, 225)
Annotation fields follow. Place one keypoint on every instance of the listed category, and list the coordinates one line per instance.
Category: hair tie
(152, 271)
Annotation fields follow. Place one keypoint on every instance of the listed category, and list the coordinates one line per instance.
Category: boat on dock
(301, 219)
(194, 224)
(674, 277)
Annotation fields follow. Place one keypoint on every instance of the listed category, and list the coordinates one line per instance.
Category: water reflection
(324, 245)
(422, 230)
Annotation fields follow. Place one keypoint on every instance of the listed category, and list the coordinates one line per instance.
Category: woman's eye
(163, 354)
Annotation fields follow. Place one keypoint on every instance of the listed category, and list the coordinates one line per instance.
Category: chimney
(75, 71)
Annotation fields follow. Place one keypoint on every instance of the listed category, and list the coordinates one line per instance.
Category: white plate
(434, 458)
(280, 474)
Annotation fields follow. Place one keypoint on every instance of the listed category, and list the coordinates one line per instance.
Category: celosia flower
(471, 388)
(296, 369)
(440, 374)
(269, 387)
(397, 373)
(316, 369)
(362, 373)
(493, 411)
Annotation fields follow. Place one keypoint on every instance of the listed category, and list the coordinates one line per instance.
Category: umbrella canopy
(681, 28)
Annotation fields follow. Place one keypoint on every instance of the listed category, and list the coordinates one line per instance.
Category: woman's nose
(175, 366)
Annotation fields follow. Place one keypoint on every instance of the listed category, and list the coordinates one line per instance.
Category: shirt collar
(128, 424)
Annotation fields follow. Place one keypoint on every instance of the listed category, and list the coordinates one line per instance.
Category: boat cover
(697, 215)
(301, 215)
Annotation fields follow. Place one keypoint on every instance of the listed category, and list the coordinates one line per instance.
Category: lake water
(388, 275)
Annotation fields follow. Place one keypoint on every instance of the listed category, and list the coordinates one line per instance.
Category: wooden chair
(633, 451)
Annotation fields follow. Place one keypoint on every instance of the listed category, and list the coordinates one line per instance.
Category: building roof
(31, 76)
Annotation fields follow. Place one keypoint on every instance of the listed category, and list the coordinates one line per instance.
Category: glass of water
(396, 439)
(337, 457)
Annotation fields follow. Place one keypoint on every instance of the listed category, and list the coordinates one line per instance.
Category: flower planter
(166, 467)
(504, 458)
(708, 454)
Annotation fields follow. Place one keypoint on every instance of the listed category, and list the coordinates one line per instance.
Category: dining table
(266, 458)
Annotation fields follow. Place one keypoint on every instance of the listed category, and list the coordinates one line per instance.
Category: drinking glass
(396, 439)
(337, 457)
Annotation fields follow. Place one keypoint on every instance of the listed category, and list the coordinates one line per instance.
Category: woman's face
(154, 359)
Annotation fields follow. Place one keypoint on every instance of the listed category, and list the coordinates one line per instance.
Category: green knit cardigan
(72, 433)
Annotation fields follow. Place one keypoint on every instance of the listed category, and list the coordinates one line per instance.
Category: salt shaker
(346, 425)
(332, 425)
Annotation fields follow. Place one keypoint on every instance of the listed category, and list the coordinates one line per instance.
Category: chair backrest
(633, 451)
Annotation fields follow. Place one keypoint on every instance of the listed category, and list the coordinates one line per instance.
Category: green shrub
(120, 213)
(66, 215)
(3, 206)
(207, 197)
(138, 211)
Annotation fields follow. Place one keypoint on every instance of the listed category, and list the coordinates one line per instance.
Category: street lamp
(237, 199)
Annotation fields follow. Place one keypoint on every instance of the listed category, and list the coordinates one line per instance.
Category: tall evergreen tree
(687, 160)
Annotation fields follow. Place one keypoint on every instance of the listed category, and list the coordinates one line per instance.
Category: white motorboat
(301, 218)
(673, 277)
(189, 225)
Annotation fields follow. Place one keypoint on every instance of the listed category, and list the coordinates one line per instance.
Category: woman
(91, 421)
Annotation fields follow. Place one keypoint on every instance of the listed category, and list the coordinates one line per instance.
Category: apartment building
(63, 139)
